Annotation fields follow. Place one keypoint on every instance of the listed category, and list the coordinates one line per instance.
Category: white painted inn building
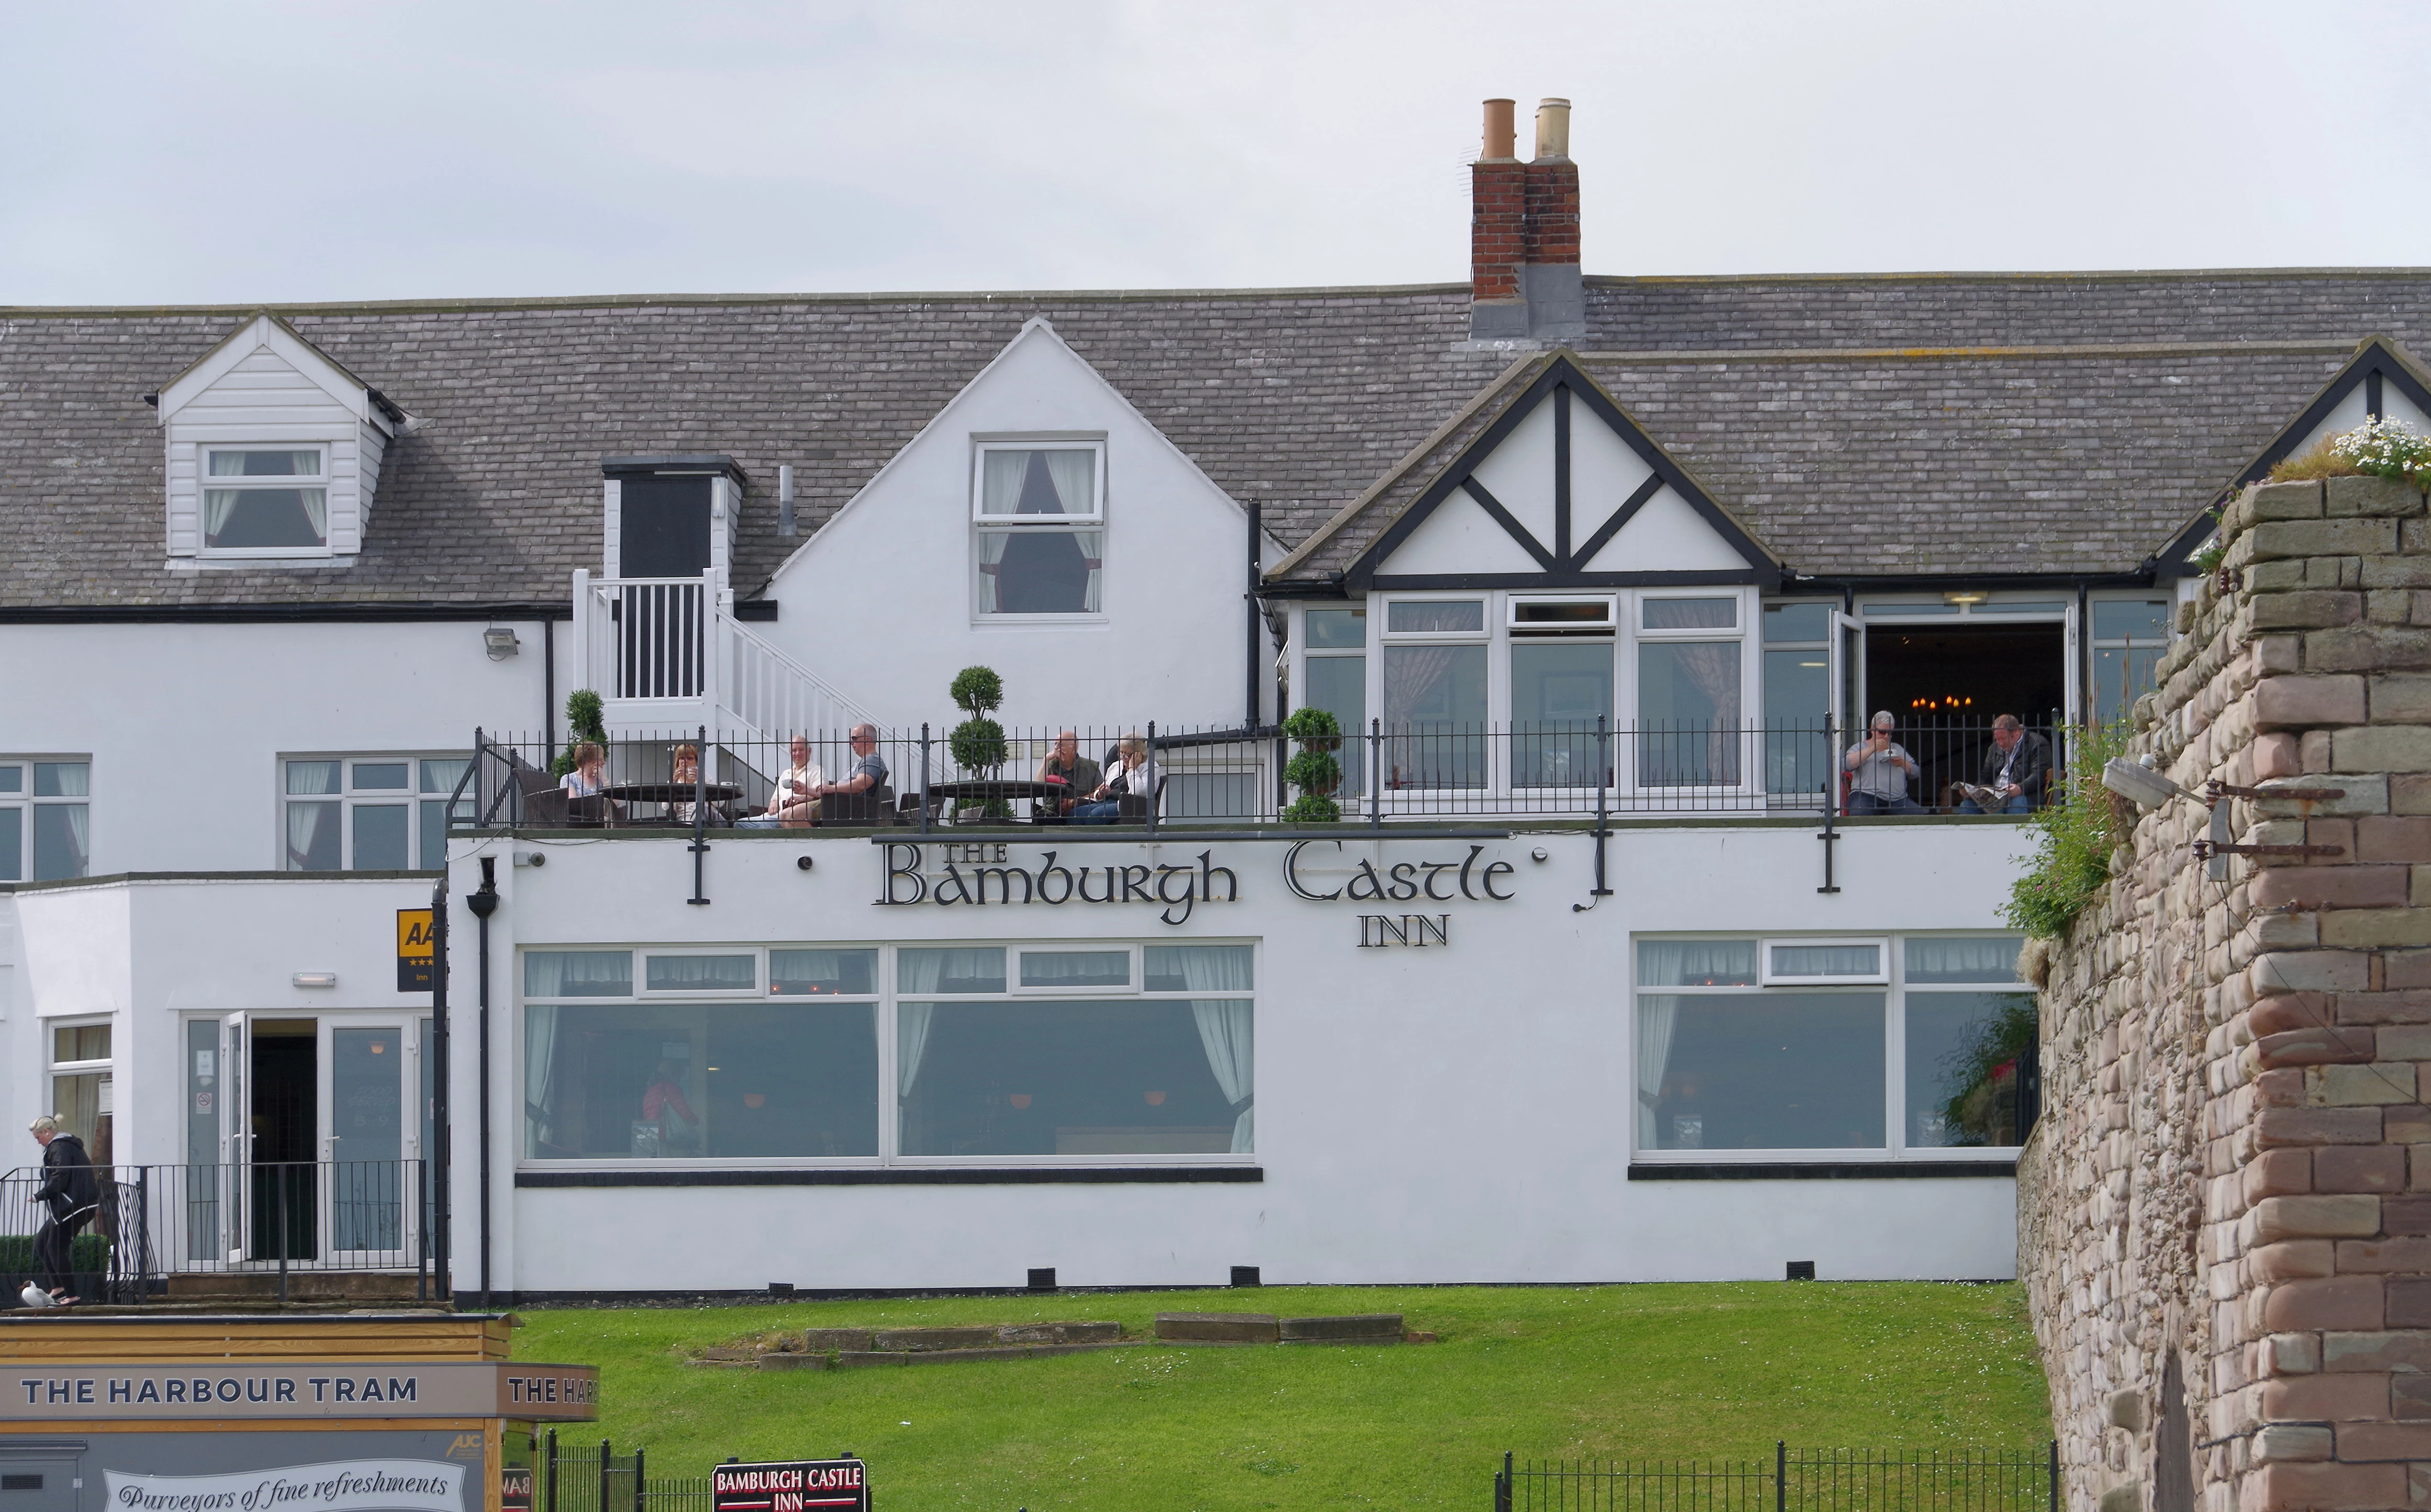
(1598, 977)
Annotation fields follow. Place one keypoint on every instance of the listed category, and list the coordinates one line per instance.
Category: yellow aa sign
(414, 950)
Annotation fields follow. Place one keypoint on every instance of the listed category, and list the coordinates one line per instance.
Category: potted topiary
(1314, 769)
(977, 744)
(585, 720)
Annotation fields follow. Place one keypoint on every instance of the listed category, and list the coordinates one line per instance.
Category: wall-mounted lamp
(499, 640)
(2150, 789)
(315, 979)
(1967, 597)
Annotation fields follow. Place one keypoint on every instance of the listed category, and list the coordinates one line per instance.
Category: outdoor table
(1005, 789)
(671, 792)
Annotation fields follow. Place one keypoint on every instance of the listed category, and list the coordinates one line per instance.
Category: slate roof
(2079, 459)
(1298, 399)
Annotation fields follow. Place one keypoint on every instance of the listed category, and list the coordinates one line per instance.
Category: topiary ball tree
(1314, 771)
(977, 744)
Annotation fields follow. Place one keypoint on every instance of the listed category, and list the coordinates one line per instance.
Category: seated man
(1880, 772)
(2016, 770)
(1078, 773)
(1133, 778)
(854, 799)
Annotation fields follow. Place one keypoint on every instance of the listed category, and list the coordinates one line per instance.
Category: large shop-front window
(990, 1051)
(1815, 1045)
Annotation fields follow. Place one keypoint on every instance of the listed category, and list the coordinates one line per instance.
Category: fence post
(1502, 1485)
(551, 1477)
(1155, 780)
(1376, 774)
(1780, 1475)
(604, 1457)
(637, 1479)
(279, 1178)
(924, 776)
(2053, 1489)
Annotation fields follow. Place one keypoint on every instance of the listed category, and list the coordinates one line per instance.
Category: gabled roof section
(2383, 380)
(268, 331)
(1565, 536)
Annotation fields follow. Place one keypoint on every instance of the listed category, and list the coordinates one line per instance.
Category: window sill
(897, 1176)
(1823, 1169)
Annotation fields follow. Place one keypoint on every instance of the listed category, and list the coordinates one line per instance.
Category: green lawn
(1634, 1370)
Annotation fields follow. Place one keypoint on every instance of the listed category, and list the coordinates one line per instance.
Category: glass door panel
(369, 1087)
(235, 1126)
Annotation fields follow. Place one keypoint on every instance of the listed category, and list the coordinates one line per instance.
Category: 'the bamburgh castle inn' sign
(958, 872)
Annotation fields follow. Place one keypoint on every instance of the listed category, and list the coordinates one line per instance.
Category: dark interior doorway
(286, 1131)
(662, 525)
(1945, 685)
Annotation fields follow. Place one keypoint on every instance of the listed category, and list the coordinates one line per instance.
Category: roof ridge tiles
(1915, 354)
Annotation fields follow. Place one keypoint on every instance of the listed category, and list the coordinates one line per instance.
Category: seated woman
(797, 798)
(1131, 778)
(687, 771)
(585, 783)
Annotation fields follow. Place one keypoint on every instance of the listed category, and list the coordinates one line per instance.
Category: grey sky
(289, 152)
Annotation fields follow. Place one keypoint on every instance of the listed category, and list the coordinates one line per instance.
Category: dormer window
(266, 501)
(1038, 511)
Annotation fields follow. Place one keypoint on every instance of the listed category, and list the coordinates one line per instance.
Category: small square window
(1065, 970)
(920, 972)
(702, 973)
(267, 501)
(84, 1041)
(383, 776)
(1337, 629)
(1436, 616)
(63, 779)
(1689, 614)
(579, 973)
(12, 779)
(822, 972)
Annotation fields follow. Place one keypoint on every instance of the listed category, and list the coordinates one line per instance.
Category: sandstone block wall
(2225, 1213)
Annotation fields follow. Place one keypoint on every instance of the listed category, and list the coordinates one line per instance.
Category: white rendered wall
(186, 722)
(880, 605)
(1458, 1113)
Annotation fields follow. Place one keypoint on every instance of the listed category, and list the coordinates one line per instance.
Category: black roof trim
(654, 462)
(1406, 582)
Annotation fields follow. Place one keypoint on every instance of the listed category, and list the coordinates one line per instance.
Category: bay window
(1802, 1046)
(1039, 518)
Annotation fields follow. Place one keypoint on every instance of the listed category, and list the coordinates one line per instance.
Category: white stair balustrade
(667, 652)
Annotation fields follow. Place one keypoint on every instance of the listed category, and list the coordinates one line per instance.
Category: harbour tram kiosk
(349, 1412)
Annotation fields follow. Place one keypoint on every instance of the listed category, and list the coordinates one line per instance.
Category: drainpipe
(484, 901)
(1250, 720)
(548, 688)
(440, 1113)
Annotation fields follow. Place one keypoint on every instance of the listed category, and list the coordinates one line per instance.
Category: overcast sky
(224, 152)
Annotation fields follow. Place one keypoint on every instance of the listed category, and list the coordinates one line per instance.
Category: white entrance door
(370, 1140)
(231, 1187)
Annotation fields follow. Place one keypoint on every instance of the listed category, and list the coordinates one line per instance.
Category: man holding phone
(1879, 771)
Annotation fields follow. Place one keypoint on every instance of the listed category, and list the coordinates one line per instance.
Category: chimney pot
(1552, 129)
(1501, 132)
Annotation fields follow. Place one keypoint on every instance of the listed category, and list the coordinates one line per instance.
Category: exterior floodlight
(2148, 788)
(499, 640)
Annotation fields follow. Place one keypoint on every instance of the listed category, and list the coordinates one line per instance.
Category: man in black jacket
(2017, 768)
(70, 1194)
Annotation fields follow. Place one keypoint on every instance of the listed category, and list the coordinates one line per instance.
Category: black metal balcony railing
(1385, 773)
(268, 1218)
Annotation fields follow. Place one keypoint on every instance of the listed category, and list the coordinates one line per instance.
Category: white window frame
(643, 990)
(323, 479)
(1765, 976)
(106, 1068)
(1005, 524)
(1607, 628)
(1894, 991)
(882, 1002)
(23, 801)
(1746, 631)
(2096, 644)
(347, 797)
(1132, 985)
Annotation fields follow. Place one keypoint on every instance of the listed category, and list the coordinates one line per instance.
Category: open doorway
(1946, 683)
(286, 1117)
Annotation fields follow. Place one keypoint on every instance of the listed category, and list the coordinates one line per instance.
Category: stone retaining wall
(2225, 1213)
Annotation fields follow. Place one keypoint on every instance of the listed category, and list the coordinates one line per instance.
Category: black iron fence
(267, 1219)
(584, 1478)
(938, 776)
(1792, 1480)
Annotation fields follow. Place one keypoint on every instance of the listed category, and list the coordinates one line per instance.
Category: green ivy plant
(1314, 771)
(2073, 840)
(585, 720)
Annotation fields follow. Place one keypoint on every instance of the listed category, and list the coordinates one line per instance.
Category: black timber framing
(2377, 364)
(1566, 385)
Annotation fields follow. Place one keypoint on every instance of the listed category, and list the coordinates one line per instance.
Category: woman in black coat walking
(71, 1195)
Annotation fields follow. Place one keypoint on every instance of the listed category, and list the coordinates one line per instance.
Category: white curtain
(1093, 548)
(1657, 1018)
(316, 506)
(991, 544)
(1001, 479)
(704, 974)
(1199, 968)
(539, 1046)
(911, 1042)
(1225, 1028)
(1993, 959)
(1696, 963)
(218, 504)
(304, 821)
(577, 974)
(1074, 481)
(1060, 967)
(80, 835)
(921, 971)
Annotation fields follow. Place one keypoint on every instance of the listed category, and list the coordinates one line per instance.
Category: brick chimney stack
(1524, 284)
